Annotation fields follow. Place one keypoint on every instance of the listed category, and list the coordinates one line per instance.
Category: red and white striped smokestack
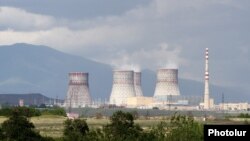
(78, 91)
(206, 89)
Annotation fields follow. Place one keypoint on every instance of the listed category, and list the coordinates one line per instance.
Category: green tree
(183, 128)
(135, 114)
(19, 128)
(24, 111)
(122, 127)
(98, 115)
(75, 130)
(95, 135)
(54, 111)
(1, 134)
(157, 133)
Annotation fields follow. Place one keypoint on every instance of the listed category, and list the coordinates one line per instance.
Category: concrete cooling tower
(137, 84)
(123, 87)
(167, 84)
(78, 91)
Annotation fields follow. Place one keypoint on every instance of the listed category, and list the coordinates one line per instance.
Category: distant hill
(29, 99)
(26, 68)
(39, 69)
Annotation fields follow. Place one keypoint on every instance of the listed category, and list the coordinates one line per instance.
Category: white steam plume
(162, 56)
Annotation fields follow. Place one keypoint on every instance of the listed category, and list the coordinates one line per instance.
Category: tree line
(32, 112)
(121, 128)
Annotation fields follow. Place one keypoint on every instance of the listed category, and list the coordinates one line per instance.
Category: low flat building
(234, 106)
(141, 101)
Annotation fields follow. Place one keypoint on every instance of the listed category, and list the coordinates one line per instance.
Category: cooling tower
(78, 91)
(123, 87)
(137, 84)
(167, 84)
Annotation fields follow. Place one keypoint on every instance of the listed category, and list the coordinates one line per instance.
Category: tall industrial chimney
(167, 84)
(137, 83)
(123, 87)
(206, 90)
(78, 91)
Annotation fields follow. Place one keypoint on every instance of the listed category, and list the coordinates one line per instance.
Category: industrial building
(127, 92)
(166, 84)
(123, 87)
(137, 84)
(78, 94)
(234, 106)
(140, 102)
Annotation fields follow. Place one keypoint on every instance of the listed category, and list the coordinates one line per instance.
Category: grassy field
(52, 126)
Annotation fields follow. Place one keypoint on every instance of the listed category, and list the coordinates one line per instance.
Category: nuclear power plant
(123, 87)
(137, 84)
(78, 94)
(127, 92)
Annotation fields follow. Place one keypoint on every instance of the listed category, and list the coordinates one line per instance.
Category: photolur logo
(215, 132)
(226, 132)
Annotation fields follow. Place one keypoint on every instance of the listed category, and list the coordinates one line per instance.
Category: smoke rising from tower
(78, 90)
(161, 55)
(123, 87)
(206, 90)
(167, 84)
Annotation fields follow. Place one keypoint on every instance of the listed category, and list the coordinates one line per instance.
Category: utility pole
(169, 102)
(70, 103)
(223, 100)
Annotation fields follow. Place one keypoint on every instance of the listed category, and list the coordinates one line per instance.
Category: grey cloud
(77, 9)
(190, 26)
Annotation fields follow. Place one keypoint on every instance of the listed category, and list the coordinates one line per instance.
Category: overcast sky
(140, 34)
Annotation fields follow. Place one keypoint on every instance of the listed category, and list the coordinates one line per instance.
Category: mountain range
(26, 68)
(29, 99)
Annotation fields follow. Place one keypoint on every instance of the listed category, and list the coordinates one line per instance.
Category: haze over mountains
(26, 68)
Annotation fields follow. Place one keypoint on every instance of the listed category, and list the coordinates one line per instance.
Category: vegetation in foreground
(242, 115)
(19, 128)
(33, 112)
(123, 128)
(120, 128)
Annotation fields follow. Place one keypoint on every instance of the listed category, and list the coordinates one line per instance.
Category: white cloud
(17, 25)
(19, 19)
(165, 33)
(76, 41)
(10, 37)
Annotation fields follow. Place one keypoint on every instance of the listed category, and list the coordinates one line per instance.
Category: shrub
(98, 116)
(54, 111)
(24, 111)
(186, 127)
(19, 128)
(75, 130)
(122, 127)
(242, 115)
